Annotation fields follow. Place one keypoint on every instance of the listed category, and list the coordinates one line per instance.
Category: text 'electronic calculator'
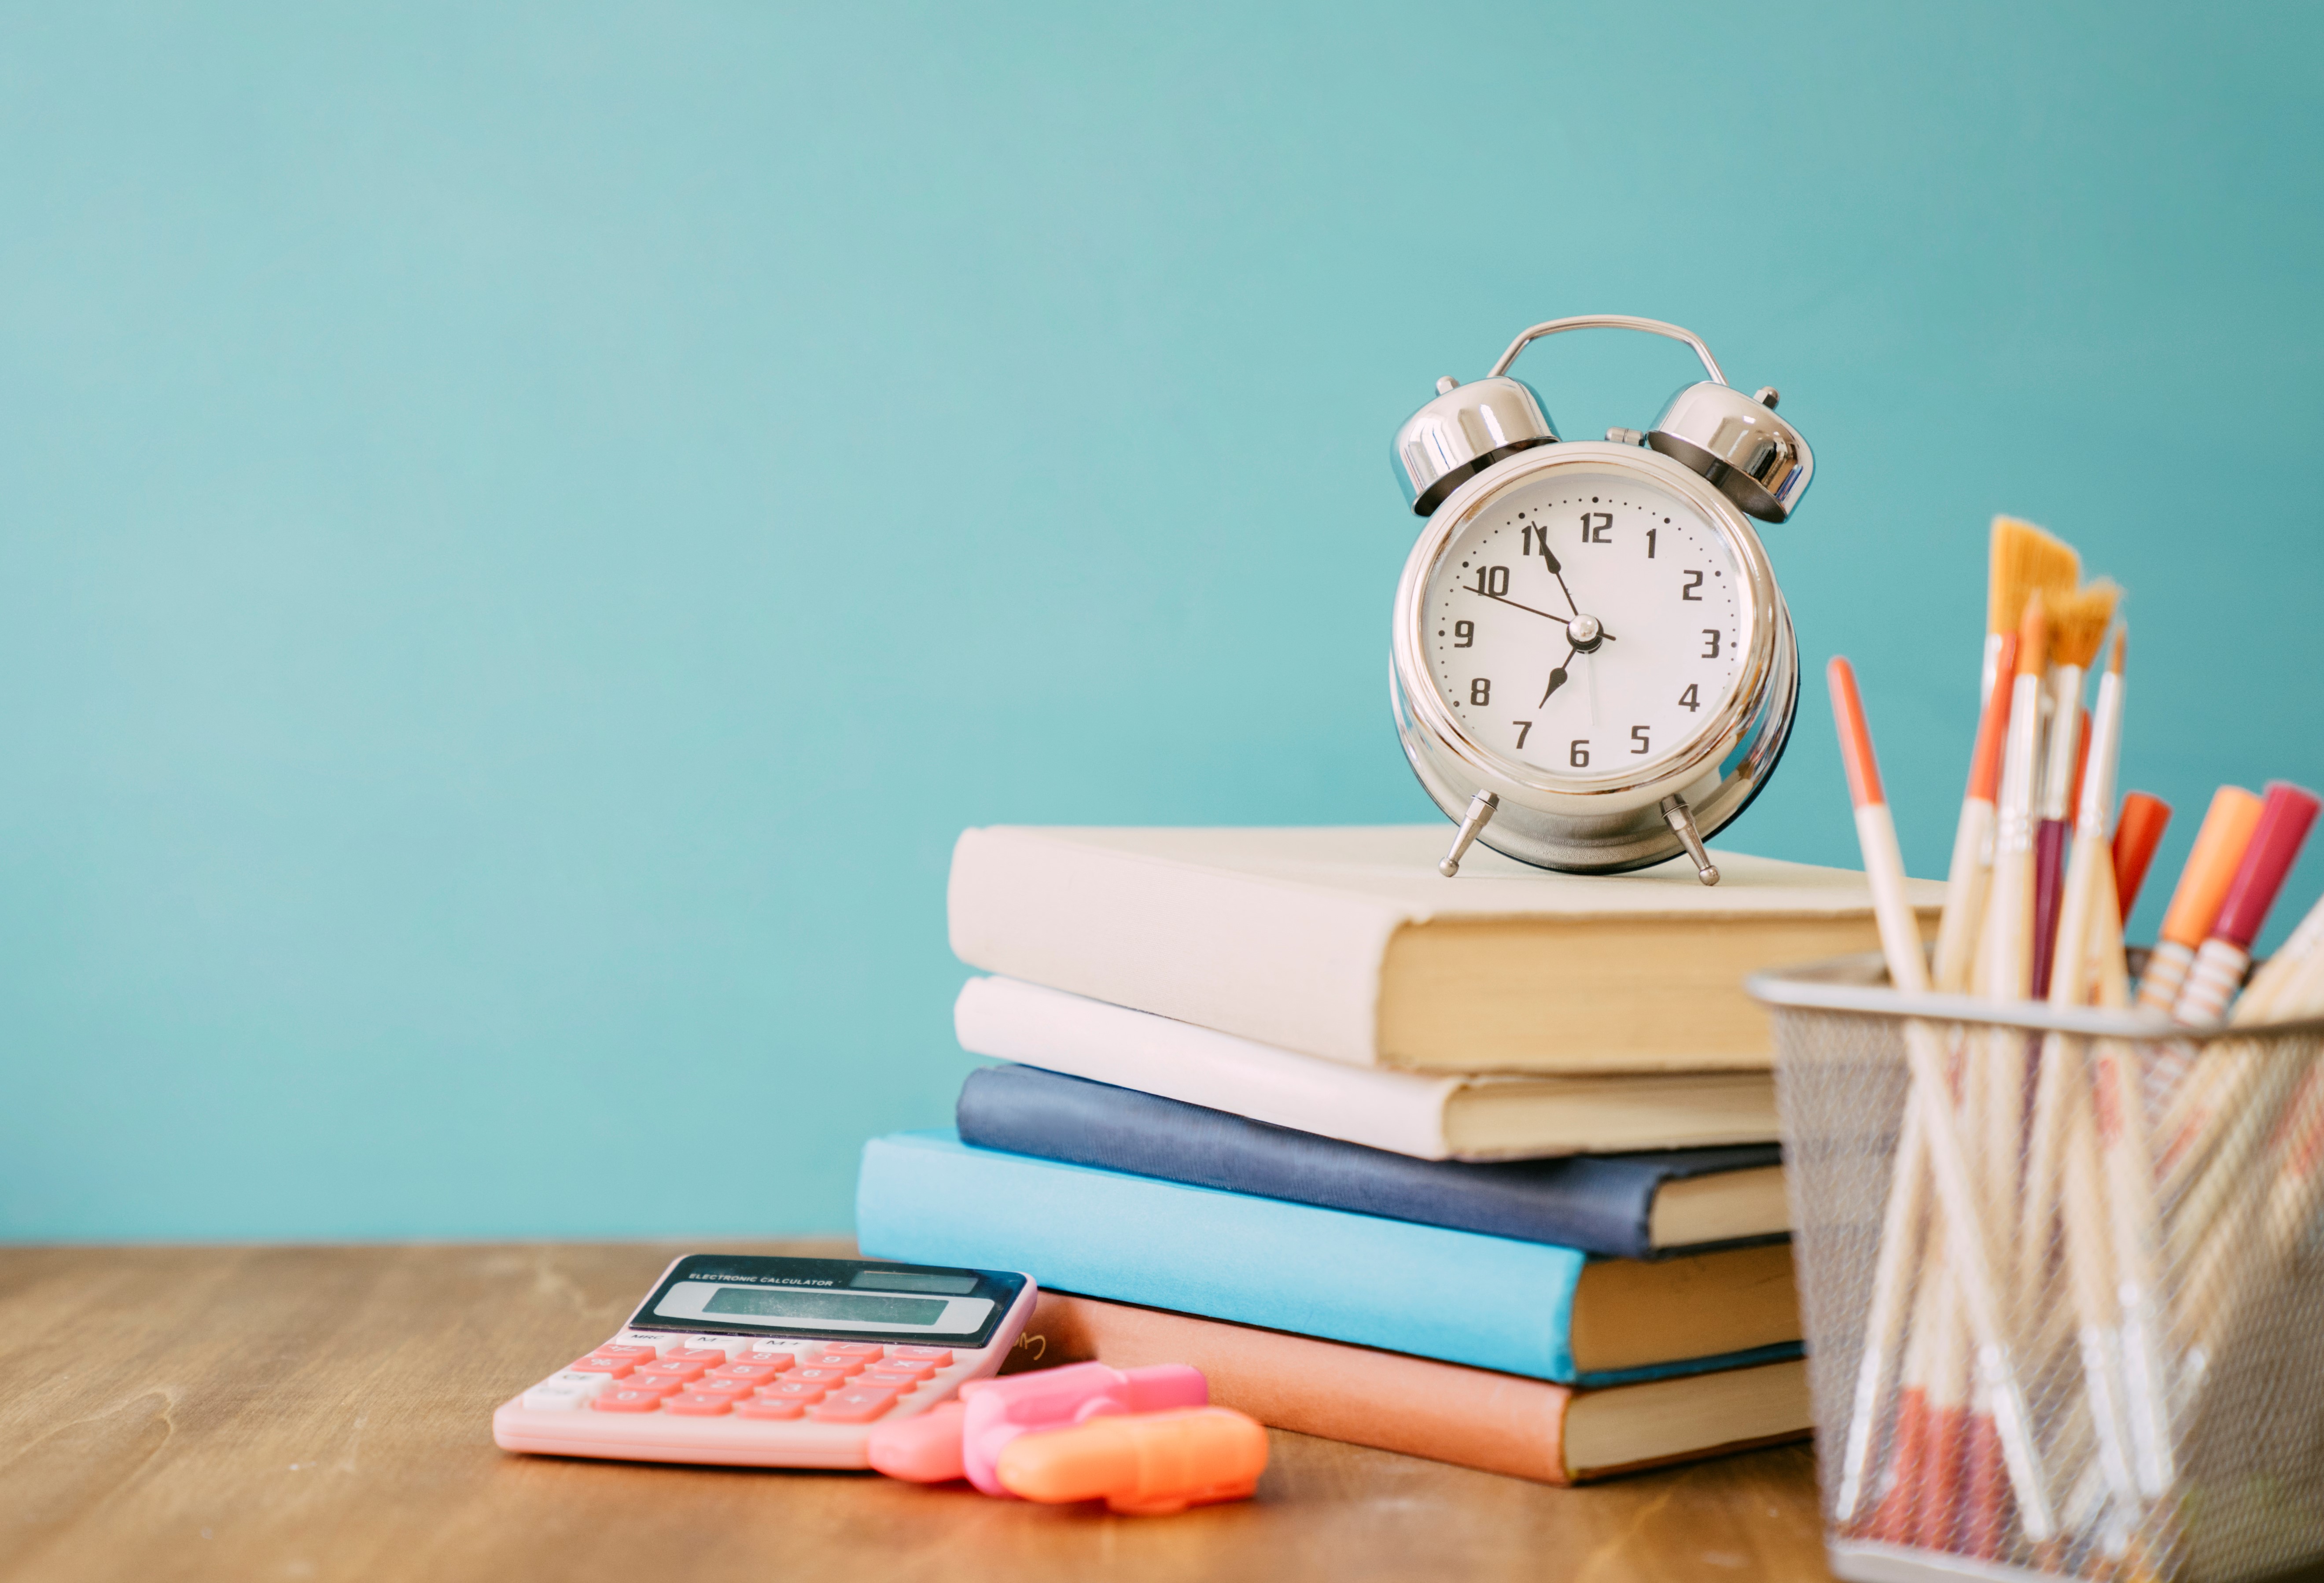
(773, 1362)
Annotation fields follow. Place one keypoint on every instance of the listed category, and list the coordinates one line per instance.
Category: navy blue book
(1636, 1206)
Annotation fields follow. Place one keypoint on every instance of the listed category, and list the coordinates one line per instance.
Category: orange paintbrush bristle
(2079, 622)
(2026, 561)
(2033, 636)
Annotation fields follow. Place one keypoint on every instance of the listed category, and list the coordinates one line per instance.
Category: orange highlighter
(1146, 1464)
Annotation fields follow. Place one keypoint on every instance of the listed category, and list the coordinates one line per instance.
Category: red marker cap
(2284, 817)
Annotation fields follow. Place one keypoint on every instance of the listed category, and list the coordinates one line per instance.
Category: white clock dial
(1586, 624)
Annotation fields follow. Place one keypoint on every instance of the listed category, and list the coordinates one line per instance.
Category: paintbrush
(1969, 1255)
(2077, 625)
(2137, 831)
(2023, 561)
(2211, 865)
(1972, 864)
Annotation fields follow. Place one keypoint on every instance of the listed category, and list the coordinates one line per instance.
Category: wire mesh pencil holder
(2118, 1372)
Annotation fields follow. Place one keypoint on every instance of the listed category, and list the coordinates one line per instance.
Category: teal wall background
(525, 531)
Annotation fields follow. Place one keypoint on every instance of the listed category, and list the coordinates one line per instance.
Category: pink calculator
(773, 1362)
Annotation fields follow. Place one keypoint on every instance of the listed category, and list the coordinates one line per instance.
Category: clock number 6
(1577, 753)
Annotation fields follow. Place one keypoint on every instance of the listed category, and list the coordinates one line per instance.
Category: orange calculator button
(902, 1368)
(830, 1379)
(934, 1357)
(698, 1404)
(853, 1350)
(634, 1354)
(756, 1374)
(768, 1407)
(626, 1400)
(668, 1370)
(595, 1364)
(854, 1406)
(794, 1391)
(888, 1379)
(707, 1357)
(712, 1386)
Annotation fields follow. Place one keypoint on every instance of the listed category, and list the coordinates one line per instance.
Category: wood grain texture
(324, 1413)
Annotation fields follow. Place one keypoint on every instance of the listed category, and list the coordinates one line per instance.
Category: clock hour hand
(1557, 677)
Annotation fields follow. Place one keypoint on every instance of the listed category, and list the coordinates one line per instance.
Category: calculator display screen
(781, 1303)
(832, 1298)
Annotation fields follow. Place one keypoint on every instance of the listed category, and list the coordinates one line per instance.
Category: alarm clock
(1593, 669)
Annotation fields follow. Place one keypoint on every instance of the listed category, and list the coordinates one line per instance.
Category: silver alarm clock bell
(1483, 465)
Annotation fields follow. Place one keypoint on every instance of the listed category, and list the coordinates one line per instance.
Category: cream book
(1346, 943)
(1431, 1117)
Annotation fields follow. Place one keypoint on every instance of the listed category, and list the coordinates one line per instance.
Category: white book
(1347, 943)
(1431, 1117)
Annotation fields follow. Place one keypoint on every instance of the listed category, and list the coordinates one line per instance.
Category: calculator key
(628, 1400)
(934, 1357)
(887, 1379)
(652, 1384)
(707, 1357)
(634, 1354)
(902, 1368)
(794, 1390)
(710, 1385)
(654, 1340)
(598, 1364)
(698, 1404)
(549, 1396)
(580, 1380)
(666, 1370)
(757, 1374)
(852, 1349)
(830, 1379)
(769, 1407)
(853, 1406)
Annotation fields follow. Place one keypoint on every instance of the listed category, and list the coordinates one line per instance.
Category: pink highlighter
(965, 1438)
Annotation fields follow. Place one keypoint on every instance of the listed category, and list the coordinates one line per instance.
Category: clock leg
(1480, 810)
(1682, 821)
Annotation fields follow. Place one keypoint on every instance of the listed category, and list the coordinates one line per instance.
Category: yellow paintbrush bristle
(2078, 622)
(2026, 559)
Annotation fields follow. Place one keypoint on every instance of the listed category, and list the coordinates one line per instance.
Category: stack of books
(1483, 1170)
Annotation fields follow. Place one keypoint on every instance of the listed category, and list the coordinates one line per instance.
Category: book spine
(1282, 964)
(1605, 1206)
(1014, 1021)
(1464, 1416)
(1454, 1295)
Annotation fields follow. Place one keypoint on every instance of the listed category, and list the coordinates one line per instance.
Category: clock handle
(1609, 321)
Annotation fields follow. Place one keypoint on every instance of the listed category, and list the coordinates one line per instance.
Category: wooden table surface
(325, 1413)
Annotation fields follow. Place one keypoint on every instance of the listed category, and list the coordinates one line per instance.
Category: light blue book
(1490, 1302)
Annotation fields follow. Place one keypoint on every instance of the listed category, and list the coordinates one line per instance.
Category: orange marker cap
(2136, 833)
(1145, 1462)
(2211, 867)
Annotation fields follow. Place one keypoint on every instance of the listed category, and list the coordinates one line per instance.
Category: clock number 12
(1597, 526)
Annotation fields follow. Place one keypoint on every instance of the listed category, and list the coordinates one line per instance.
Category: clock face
(1585, 623)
